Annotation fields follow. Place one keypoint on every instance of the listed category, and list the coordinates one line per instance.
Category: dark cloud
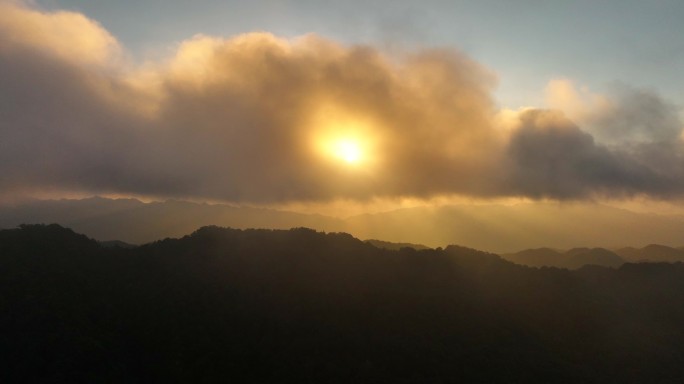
(551, 157)
(636, 116)
(256, 118)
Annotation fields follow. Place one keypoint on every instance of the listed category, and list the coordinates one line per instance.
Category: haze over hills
(652, 252)
(522, 226)
(136, 222)
(514, 227)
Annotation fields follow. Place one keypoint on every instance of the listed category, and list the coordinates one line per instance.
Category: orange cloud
(68, 35)
(245, 118)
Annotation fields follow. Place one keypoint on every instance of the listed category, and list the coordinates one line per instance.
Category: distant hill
(395, 246)
(579, 257)
(509, 228)
(652, 253)
(116, 243)
(135, 222)
(537, 257)
(492, 227)
(292, 306)
(572, 259)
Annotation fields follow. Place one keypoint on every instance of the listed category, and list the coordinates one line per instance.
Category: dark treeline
(262, 306)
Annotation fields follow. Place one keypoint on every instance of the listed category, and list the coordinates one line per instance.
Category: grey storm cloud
(256, 118)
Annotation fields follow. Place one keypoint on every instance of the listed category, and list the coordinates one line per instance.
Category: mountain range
(495, 228)
(572, 259)
(286, 306)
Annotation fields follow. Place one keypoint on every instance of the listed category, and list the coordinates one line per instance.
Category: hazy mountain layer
(226, 305)
(505, 229)
(136, 222)
(572, 259)
(495, 228)
(394, 246)
(652, 252)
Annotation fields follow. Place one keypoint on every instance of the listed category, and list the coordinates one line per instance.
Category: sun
(344, 139)
(348, 150)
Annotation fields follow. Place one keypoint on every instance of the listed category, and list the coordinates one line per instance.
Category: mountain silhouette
(579, 257)
(274, 306)
(537, 257)
(135, 222)
(394, 246)
(572, 259)
(652, 253)
(491, 227)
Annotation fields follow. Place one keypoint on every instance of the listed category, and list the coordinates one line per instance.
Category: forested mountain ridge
(304, 306)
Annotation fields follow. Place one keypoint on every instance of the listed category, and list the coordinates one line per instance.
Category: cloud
(551, 157)
(626, 116)
(636, 126)
(253, 118)
(69, 35)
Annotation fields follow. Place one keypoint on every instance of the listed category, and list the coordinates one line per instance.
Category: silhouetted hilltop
(537, 257)
(136, 222)
(578, 257)
(572, 259)
(507, 228)
(41, 240)
(395, 246)
(116, 243)
(652, 253)
(273, 306)
(515, 227)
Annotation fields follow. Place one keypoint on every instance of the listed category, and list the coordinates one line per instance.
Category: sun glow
(348, 150)
(344, 137)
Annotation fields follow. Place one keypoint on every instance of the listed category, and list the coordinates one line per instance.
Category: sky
(526, 42)
(310, 102)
